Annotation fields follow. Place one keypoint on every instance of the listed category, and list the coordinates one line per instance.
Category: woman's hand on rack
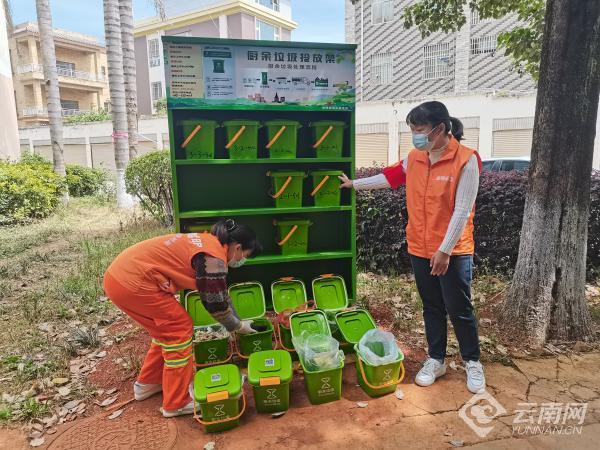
(346, 182)
(246, 327)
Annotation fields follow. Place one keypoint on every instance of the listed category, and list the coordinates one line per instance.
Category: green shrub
(84, 181)
(28, 191)
(148, 178)
(99, 115)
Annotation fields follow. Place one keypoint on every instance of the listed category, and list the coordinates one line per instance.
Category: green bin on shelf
(218, 390)
(270, 373)
(328, 138)
(242, 138)
(249, 302)
(287, 188)
(326, 187)
(293, 236)
(322, 386)
(198, 138)
(282, 137)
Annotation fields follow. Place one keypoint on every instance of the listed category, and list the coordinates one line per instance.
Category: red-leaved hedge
(382, 220)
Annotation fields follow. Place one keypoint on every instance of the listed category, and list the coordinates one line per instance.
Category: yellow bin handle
(277, 136)
(230, 419)
(322, 138)
(283, 188)
(320, 185)
(191, 136)
(289, 235)
(381, 386)
(235, 137)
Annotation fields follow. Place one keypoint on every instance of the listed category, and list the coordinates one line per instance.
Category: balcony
(62, 72)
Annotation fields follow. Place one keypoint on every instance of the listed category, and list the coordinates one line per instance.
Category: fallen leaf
(35, 434)
(502, 349)
(209, 446)
(115, 414)
(111, 391)
(64, 391)
(109, 401)
(51, 431)
(101, 354)
(278, 414)
(59, 381)
(50, 421)
(37, 442)
(80, 408)
(362, 404)
(457, 443)
(72, 404)
(37, 427)
(399, 394)
(452, 365)
(447, 433)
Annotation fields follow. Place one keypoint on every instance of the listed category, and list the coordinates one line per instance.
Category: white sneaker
(186, 410)
(475, 377)
(431, 370)
(142, 391)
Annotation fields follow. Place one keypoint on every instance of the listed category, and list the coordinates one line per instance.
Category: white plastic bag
(378, 347)
(318, 351)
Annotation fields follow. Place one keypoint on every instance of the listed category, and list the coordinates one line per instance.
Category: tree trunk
(547, 295)
(116, 83)
(126, 14)
(44, 17)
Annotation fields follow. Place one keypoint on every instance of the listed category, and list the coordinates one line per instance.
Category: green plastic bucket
(205, 352)
(287, 188)
(322, 386)
(330, 293)
(293, 236)
(218, 390)
(379, 380)
(199, 228)
(282, 137)
(326, 187)
(270, 373)
(198, 138)
(354, 324)
(287, 294)
(248, 300)
(242, 138)
(328, 138)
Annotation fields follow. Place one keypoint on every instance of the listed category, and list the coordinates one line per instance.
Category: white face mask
(235, 264)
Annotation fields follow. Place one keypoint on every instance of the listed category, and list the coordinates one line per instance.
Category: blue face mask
(421, 141)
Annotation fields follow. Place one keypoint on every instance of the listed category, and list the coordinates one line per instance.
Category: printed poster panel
(256, 77)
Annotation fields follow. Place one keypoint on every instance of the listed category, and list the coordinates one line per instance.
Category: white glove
(246, 328)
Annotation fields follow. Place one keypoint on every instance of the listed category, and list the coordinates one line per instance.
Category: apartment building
(396, 69)
(9, 132)
(233, 19)
(82, 74)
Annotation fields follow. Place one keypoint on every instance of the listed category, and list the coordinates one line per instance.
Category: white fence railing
(62, 72)
(33, 111)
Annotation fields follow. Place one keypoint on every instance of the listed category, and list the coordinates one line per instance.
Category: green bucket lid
(270, 363)
(248, 300)
(240, 122)
(286, 173)
(280, 123)
(195, 308)
(315, 322)
(330, 293)
(323, 173)
(354, 324)
(288, 293)
(226, 377)
(194, 122)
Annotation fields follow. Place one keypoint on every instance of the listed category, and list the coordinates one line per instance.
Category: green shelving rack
(206, 190)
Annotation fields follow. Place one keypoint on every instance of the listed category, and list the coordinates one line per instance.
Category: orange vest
(164, 262)
(430, 194)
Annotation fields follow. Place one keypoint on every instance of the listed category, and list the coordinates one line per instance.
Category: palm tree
(52, 92)
(116, 82)
(126, 16)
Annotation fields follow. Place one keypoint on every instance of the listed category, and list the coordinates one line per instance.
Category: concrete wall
(9, 132)
(91, 144)
(203, 29)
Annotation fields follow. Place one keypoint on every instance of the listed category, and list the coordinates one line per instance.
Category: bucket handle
(283, 188)
(277, 136)
(191, 136)
(322, 138)
(320, 185)
(381, 386)
(279, 339)
(235, 137)
(229, 419)
(289, 235)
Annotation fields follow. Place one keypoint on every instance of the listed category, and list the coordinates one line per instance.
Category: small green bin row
(242, 138)
(287, 188)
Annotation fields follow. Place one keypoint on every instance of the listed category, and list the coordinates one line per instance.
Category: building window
(154, 52)
(266, 32)
(436, 61)
(65, 69)
(484, 44)
(69, 107)
(271, 4)
(156, 91)
(383, 11)
(381, 69)
(474, 17)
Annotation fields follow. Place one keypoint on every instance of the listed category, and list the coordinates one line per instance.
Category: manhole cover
(131, 431)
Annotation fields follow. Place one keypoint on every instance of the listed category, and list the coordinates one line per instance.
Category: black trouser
(448, 295)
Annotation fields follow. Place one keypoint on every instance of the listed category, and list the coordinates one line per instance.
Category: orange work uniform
(142, 281)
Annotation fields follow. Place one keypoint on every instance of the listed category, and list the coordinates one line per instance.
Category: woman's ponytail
(457, 128)
(228, 231)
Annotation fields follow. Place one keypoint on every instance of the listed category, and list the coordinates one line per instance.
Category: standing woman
(142, 282)
(442, 179)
